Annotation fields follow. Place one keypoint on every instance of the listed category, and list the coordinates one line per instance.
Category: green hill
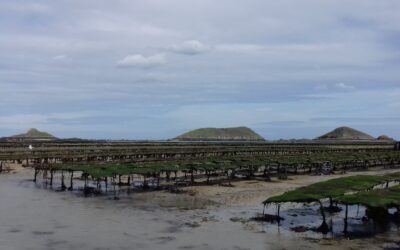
(221, 134)
(346, 133)
(34, 134)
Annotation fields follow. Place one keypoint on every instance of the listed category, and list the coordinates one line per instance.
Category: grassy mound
(346, 133)
(34, 134)
(218, 134)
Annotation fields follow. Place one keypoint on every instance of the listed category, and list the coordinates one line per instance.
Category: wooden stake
(71, 184)
(345, 220)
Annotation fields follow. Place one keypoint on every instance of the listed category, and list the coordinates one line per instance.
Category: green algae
(332, 188)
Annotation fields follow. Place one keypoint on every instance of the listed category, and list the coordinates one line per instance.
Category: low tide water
(34, 217)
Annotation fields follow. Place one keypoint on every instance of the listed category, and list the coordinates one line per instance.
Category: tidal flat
(33, 216)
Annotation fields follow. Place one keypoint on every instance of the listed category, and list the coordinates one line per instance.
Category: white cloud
(59, 57)
(141, 61)
(192, 47)
(342, 85)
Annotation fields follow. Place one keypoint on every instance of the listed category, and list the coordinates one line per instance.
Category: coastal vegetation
(385, 198)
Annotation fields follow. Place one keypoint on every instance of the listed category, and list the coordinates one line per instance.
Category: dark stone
(268, 218)
(300, 229)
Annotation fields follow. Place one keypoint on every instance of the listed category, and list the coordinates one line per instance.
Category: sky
(134, 69)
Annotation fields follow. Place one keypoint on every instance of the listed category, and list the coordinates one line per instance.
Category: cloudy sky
(153, 69)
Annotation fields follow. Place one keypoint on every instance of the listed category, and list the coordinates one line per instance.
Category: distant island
(384, 138)
(32, 134)
(217, 134)
(221, 134)
(345, 133)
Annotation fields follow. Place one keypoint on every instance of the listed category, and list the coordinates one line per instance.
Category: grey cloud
(287, 54)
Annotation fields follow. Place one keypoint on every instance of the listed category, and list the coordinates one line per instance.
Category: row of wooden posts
(177, 177)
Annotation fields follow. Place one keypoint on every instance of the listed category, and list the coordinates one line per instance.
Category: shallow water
(34, 217)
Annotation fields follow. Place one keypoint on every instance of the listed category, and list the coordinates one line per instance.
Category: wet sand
(253, 192)
(34, 217)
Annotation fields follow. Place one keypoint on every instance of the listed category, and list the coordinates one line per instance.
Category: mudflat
(199, 217)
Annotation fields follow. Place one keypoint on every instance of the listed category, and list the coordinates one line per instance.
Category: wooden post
(324, 227)
(45, 174)
(85, 182)
(145, 184)
(115, 191)
(278, 214)
(51, 177)
(278, 209)
(263, 217)
(35, 177)
(63, 187)
(176, 179)
(71, 184)
(192, 176)
(345, 220)
(263, 214)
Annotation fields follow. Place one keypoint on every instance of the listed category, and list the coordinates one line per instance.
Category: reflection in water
(38, 218)
(308, 218)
